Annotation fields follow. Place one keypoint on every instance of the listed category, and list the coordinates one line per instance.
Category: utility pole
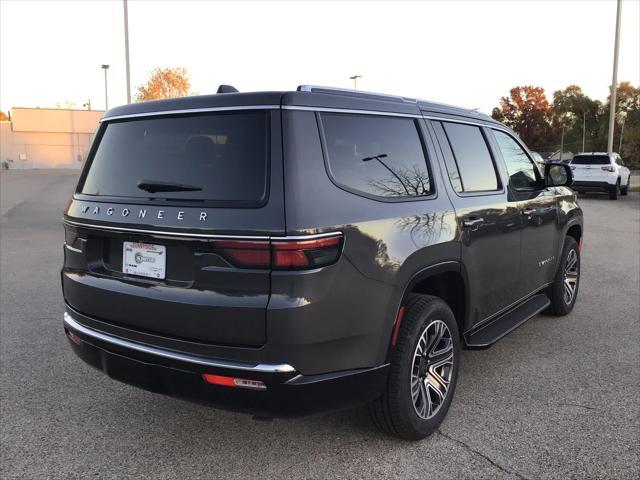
(126, 50)
(614, 81)
(355, 81)
(561, 143)
(584, 128)
(106, 94)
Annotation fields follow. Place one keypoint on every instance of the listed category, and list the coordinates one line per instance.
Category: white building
(47, 137)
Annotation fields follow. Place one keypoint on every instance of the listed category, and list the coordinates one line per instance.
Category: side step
(491, 332)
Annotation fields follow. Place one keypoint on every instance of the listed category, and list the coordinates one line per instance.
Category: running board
(489, 333)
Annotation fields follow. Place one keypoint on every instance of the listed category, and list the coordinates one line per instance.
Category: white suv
(600, 172)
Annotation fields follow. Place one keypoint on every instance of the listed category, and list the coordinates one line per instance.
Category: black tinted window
(472, 157)
(591, 160)
(377, 155)
(220, 157)
(449, 159)
(522, 173)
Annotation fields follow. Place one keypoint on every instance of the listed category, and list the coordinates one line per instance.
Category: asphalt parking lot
(559, 398)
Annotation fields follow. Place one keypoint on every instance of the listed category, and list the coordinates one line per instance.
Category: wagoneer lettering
(288, 252)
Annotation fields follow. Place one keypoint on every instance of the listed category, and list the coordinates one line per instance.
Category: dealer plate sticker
(144, 259)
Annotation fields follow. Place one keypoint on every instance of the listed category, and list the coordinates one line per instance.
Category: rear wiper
(153, 187)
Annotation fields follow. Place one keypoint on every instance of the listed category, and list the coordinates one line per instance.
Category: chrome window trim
(191, 110)
(201, 235)
(348, 110)
(456, 120)
(73, 324)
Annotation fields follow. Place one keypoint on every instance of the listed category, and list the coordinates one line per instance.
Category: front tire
(564, 289)
(423, 372)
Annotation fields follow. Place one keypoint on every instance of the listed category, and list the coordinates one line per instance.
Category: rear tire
(613, 191)
(423, 371)
(564, 289)
(625, 190)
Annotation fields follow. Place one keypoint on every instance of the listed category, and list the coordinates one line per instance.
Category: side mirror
(558, 175)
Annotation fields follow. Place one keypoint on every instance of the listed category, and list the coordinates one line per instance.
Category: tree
(165, 83)
(584, 114)
(4, 117)
(526, 110)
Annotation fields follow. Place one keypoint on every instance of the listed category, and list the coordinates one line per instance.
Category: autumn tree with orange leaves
(526, 110)
(165, 83)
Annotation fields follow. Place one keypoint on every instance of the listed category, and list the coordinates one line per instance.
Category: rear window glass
(376, 155)
(472, 157)
(218, 157)
(591, 160)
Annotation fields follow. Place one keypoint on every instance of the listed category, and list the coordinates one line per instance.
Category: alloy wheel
(570, 276)
(432, 369)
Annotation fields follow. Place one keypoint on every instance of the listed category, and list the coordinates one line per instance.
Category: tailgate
(203, 297)
(160, 207)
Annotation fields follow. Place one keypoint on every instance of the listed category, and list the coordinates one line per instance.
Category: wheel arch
(445, 280)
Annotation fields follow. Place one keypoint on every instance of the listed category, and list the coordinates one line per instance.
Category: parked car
(288, 252)
(600, 172)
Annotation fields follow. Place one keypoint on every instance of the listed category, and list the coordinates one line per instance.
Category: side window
(376, 155)
(469, 152)
(521, 170)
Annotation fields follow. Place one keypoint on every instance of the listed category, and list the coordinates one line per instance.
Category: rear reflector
(233, 382)
(74, 338)
(281, 254)
(396, 329)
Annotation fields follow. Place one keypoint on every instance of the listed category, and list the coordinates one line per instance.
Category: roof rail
(354, 93)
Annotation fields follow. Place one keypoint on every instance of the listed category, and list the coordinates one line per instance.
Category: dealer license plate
(144, 259)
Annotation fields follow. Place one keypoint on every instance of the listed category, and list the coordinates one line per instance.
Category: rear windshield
(591, 160)
(219, 158)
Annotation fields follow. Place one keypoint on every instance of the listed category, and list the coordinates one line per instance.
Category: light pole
(379, 159)
(584, 128)
(622, 117)
(106, 94)
(355, 81)
(614, 81)
(126, 50)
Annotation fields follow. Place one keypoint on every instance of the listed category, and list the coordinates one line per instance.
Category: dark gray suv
(287, 252)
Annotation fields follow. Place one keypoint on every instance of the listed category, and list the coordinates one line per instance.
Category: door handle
(473, 222)
(529, 211)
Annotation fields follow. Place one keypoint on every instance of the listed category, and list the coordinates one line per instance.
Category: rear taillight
(608, 168)
(282, 254)
(245, 253)
(305, 253)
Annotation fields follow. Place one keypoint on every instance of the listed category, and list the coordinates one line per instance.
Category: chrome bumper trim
(70, 322)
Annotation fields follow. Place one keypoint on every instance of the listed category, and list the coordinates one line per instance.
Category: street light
(566, 119)
(106, 95)
(622, 117)
(614, 81)
(355, 81)
(379, 159)
(126, 50)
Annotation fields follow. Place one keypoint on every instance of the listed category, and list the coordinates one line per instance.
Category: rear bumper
(287, 393)
(591, 186)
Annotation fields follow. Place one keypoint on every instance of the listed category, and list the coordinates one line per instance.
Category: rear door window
(376, 155)
(467, 151)
(217, 158)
